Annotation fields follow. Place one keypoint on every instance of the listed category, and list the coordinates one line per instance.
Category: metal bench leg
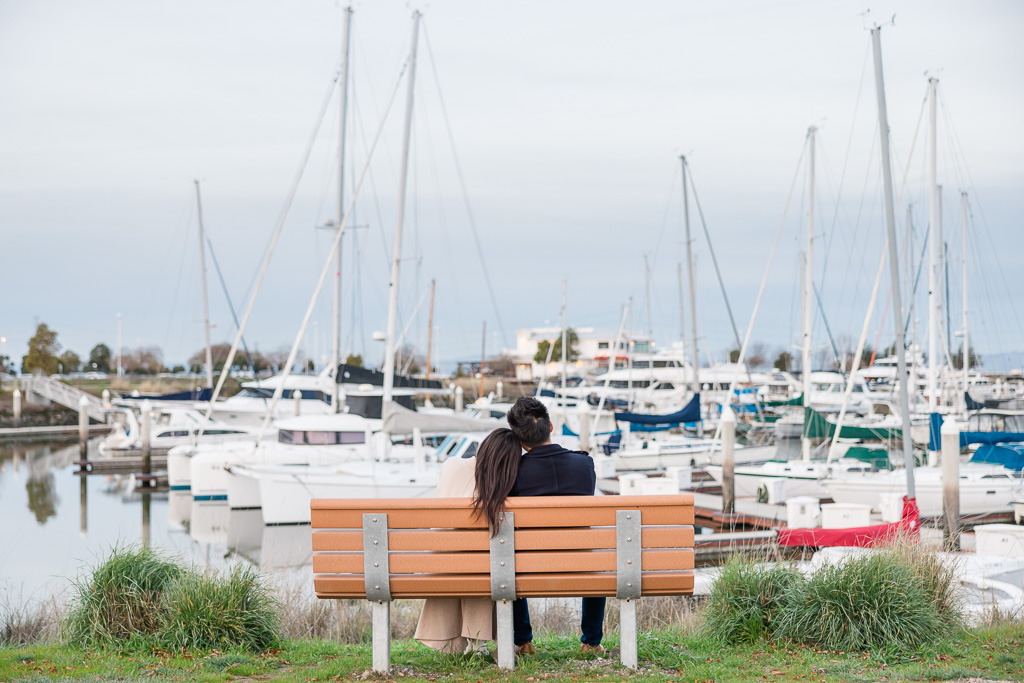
(381, 636)
(627, 632)
(506, 651)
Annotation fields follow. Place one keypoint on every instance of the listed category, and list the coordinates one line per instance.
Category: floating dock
(51, 433)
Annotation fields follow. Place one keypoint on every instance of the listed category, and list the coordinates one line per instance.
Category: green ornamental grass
(747, 598)
(137, 598)
(875, 601)
(120, 599)
(208, 611)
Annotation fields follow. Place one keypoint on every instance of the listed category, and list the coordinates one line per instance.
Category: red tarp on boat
(862, 536)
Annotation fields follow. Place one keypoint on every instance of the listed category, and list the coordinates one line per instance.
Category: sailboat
(984, 487)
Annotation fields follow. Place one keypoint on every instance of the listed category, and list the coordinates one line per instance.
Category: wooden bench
(551, 546)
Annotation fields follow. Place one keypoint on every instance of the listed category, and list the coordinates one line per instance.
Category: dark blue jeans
(591, 621)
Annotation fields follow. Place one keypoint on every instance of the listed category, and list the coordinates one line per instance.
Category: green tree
(572, 353)
(784, 361)
(42, 351)
(99, 358)
(69, 361)
(5, 364)
(355, 360)
(958, 358)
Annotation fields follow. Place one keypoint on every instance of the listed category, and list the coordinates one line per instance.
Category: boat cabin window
(994, 422)
(665, 385)
(639, 364)
(470, 451)
(320, 438)
(219, 432)
(253, 392)
(172, 432)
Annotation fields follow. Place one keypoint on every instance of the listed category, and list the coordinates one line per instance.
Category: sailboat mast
(695, 378)
(650, 325)
(966, 348)
(933, 251)
(336, 327)
(396, 251)
(206, 302)
(565, 350)
(894, 264)
(808, 287)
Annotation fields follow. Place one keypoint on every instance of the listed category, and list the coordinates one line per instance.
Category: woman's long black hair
(497, 464)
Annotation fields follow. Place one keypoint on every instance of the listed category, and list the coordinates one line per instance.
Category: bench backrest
(563, 546)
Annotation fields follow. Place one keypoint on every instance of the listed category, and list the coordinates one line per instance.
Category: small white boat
(802, 477)
(170, 426)
(660, 453)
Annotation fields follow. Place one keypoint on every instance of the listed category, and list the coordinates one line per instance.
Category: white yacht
(287, 491)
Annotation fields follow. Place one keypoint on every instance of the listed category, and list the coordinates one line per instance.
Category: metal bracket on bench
(503, 560)
(375, 557)
(627, 554)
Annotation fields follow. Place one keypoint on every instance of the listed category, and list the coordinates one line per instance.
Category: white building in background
(595, 346)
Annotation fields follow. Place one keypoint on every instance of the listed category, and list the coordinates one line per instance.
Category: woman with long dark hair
(456, 625)
(497, 464)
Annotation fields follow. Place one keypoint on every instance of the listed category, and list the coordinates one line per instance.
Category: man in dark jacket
(547, 469)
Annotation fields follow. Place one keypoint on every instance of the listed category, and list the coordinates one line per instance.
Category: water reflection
(42, 497)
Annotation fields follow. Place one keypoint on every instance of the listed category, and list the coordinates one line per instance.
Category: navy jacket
(551, 470)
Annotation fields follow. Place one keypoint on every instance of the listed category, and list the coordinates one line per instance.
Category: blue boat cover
(691, 413)
(986, 438)
(1007, 455)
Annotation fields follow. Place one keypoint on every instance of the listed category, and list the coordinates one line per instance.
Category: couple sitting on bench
(501, 469)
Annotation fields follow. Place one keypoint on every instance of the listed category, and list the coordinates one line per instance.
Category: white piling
(106, 398)
(500, 388)
(585, 430)
(728, 461)
(297, 398)
(17, 405)
(83, 428)
(458, 399)
(951, 484)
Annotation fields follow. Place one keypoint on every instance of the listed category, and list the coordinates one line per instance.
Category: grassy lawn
(995, 653)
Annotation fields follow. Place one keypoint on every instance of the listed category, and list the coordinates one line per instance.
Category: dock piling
(459, 400)
(951, 485)
(297, 397)
(728, 460)
(147, 428)
(83, 428)
(17, 405)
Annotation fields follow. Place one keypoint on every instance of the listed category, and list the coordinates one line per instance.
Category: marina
(399, 314)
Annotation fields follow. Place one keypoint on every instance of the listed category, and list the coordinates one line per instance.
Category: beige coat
(451, 624)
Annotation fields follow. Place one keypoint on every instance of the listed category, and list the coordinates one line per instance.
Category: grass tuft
(872, 602)
(120, 600)
(205, 611)
(747, 599)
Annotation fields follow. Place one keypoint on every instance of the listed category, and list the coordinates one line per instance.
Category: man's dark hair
(530, 422)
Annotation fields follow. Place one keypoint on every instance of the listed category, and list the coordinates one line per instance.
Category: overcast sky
(567, 119)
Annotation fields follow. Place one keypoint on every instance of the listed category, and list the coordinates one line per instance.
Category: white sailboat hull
(981, 492)
(286, 496)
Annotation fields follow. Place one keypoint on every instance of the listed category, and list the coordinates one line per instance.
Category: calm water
(55, 524)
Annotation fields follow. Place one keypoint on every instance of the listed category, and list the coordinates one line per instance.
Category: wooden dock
(50, 433)
(117, 465)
